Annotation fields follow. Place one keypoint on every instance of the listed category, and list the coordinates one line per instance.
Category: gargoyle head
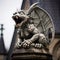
(18, 17)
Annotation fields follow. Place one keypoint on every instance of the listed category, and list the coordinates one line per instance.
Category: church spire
(2, 48)
(1, 30)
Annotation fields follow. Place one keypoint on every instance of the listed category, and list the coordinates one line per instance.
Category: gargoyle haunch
(34, 26)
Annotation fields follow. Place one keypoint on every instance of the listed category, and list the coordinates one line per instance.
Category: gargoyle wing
(42, 20)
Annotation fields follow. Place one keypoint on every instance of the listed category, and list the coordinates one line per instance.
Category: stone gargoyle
(34, 26)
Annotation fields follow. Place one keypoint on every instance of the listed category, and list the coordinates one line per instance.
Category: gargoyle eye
(14, 13)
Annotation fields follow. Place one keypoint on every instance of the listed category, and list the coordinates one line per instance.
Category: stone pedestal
(30, 54)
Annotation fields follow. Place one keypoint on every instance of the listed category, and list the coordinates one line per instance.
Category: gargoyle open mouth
(17, 19)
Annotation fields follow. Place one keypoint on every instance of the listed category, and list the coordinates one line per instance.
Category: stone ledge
(31, 56)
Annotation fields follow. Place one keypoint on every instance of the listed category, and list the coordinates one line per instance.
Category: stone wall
(1, 57)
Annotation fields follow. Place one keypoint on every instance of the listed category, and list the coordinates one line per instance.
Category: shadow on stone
(32, 56)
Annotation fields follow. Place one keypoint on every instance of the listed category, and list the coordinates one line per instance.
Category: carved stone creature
(33, 27)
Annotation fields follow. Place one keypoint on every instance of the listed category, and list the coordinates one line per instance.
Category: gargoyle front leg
(28, 42)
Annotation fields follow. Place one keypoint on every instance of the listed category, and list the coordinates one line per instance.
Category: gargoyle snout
(15, 17)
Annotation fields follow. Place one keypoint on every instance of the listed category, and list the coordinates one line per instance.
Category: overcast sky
(7, 8)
